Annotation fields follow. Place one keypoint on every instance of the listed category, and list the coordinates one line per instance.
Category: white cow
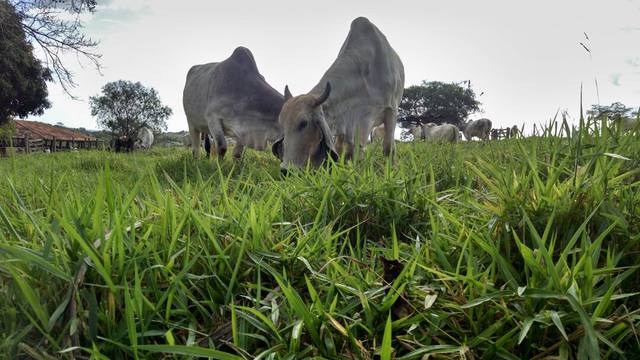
(144, 139)
(361, 89)
(480, 128)
(440, 133)
(231, 98)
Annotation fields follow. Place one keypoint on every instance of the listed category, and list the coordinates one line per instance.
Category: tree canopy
(124, 107)
(23, 88)
(437, 102)
(55, 27)
(615, 111)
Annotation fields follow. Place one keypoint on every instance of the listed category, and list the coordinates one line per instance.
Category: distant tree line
(614, 112)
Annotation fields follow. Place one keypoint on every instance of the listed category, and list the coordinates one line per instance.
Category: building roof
(39, 130)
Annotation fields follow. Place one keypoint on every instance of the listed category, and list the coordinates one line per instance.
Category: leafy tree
(437, 102)
(615, 111)
(23, 88)
(124, 107)
(55, 27)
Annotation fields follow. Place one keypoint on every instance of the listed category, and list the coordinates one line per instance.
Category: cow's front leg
(217, 133)
(389, 121)
(238, 149)
(339, 145)
(195, 142)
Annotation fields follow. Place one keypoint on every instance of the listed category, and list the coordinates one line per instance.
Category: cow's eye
(302, 125)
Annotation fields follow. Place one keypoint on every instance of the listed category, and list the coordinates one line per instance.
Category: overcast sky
(524, 56)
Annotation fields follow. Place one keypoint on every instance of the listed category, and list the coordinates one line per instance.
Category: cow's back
(479, 128)
(195, 96)
(367, 69)
(234, 83)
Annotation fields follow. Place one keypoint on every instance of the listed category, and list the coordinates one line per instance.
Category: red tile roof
(39, 130)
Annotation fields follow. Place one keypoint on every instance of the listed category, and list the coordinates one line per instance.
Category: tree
(125, 107)
(55, 26)
(437, 102)
(614, 112)
(23, 88)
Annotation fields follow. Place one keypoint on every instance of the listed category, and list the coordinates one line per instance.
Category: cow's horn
(287, 93)
(324, 96)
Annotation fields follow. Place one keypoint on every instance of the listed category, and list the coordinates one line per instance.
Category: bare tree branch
(55, 26)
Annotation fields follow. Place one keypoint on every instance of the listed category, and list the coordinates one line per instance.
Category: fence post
(53, 144)
(26, 143)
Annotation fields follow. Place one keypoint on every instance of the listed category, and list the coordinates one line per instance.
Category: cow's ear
(277, 148)
(324, 96)
(287, 93)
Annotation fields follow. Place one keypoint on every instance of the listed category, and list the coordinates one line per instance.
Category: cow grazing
(231, 98)
(361, 89)
(144, 139)
(480, 128)
(440, 133)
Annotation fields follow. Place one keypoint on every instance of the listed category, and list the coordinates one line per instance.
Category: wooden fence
(504, 133)
(28, 145)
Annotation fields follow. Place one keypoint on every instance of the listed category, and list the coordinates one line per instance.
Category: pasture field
(513, 249)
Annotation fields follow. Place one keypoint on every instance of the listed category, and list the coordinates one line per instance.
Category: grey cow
(231, 98)
(360, 90)
(480, 128)
(440, 133)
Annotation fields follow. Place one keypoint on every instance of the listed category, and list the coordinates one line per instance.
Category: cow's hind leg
(195, 142)
(389, 121)
(217, 133)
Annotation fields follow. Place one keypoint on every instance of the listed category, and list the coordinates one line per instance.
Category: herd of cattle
(355, 102)
(480, 128)
(360, 90)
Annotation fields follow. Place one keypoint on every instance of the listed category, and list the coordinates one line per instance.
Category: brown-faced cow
(362, 89)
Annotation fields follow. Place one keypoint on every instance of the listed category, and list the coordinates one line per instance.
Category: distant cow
(480, 128)
(627, 123)
(144, 139)
(416, 131)
(361, 89)
(515, 132)
(231, 98)
(440, 133)
(377, 133)
(122, 144)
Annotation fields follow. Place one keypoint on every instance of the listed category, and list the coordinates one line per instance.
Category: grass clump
(517, 249)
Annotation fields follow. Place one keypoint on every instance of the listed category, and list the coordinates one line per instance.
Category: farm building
(33, 136)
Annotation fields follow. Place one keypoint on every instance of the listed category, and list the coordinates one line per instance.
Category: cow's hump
(244, 58)
(361, 23)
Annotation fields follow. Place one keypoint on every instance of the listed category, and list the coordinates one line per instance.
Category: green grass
(515, 249)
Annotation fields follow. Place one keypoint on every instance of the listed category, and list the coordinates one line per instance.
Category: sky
(525, 57)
